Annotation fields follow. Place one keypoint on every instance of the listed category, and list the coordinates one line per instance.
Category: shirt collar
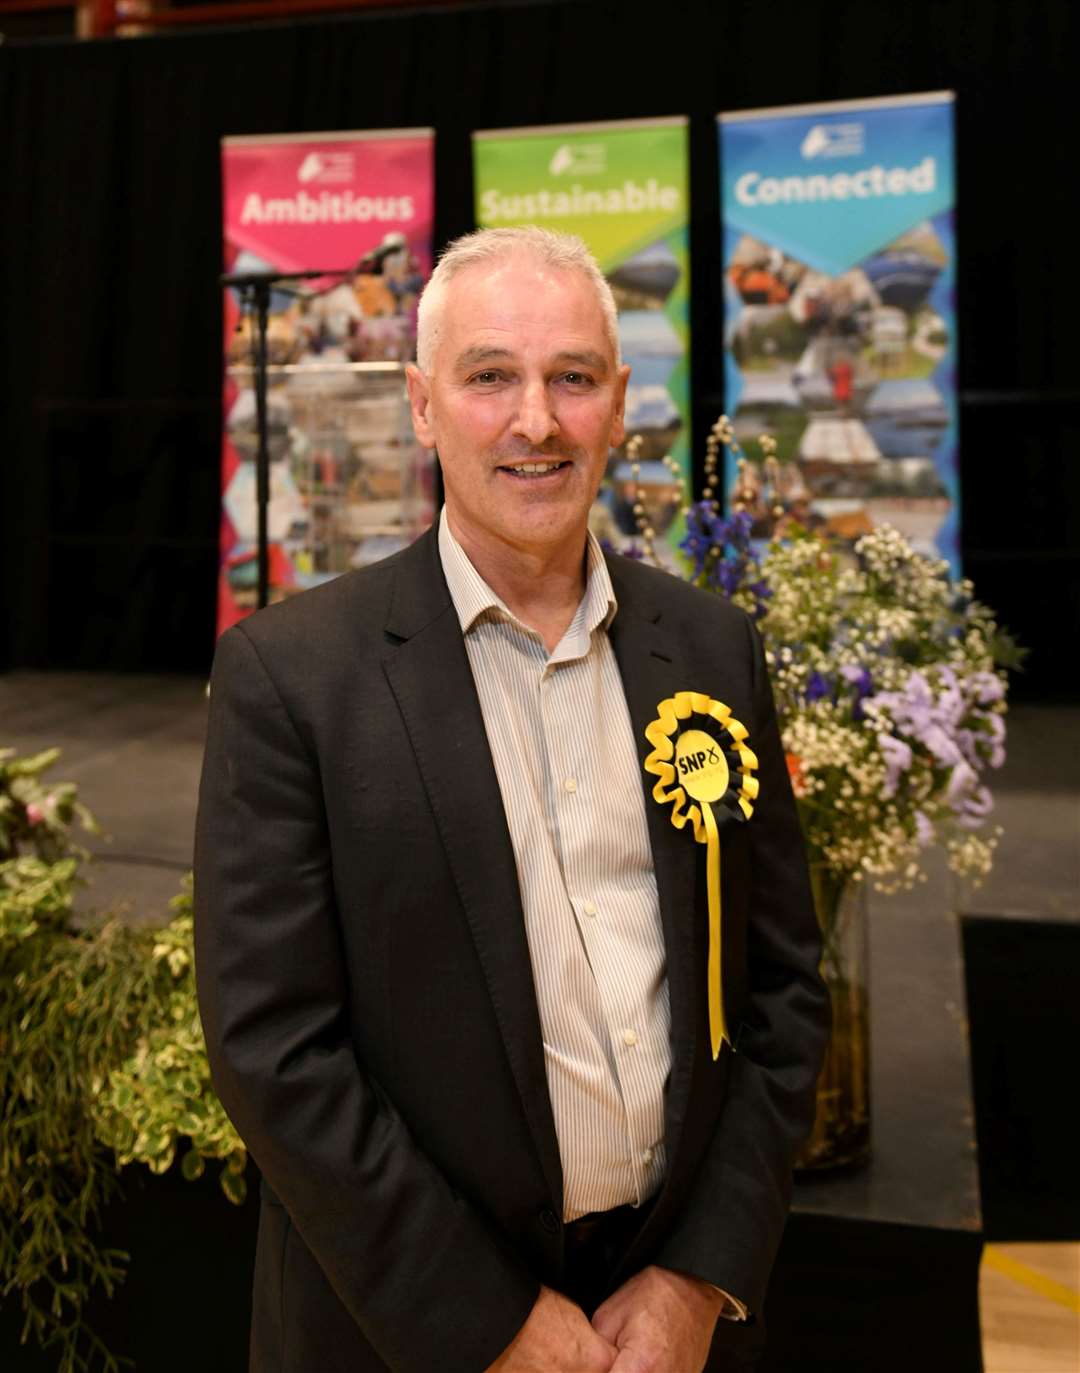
(473, 598)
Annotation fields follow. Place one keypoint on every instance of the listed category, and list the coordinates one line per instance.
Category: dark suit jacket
(366, 991)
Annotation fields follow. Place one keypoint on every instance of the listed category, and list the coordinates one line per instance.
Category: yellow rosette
(708, 761)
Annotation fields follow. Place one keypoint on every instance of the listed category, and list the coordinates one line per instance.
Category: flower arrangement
(889, 683)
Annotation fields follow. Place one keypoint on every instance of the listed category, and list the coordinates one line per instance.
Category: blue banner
(840, 320)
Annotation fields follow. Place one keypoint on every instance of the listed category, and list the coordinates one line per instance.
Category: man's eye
(486, 378)
(576, 378)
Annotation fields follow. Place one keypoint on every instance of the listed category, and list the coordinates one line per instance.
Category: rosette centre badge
(702, 768)
(709, 764)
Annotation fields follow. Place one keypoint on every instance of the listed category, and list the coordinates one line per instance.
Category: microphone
(270, 278)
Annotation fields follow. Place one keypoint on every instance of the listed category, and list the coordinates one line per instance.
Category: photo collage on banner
(840, 327)
(623, 188)
(348, 483)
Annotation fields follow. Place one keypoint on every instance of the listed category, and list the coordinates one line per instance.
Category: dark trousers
(594, 1246)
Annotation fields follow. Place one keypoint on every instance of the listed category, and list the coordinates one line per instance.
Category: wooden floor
(1029, 1298)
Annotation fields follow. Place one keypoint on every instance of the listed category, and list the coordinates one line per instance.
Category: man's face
(523, 376)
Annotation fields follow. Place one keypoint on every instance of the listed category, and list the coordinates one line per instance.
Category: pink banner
(346, 484)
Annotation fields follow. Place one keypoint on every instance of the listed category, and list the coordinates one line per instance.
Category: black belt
(615, 1227)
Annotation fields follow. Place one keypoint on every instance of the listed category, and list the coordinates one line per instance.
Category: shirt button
(570, 784)
(629, 1038)
(589, 908)
(648, 1156)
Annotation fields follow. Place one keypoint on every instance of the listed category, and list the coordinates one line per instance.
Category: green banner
(623, 187)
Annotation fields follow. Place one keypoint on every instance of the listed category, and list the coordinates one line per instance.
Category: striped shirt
(567, 766)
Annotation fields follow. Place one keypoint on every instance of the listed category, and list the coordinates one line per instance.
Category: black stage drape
(110, 250)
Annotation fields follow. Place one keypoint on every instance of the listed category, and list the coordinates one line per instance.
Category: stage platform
(868, 1257)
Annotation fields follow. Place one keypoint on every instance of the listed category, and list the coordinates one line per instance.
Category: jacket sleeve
(420, 1271)
(729, 1230)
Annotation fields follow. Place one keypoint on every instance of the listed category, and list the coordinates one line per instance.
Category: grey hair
(566, 252)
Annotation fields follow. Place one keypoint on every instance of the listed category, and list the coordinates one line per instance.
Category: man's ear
(419, 387)
(618, 427)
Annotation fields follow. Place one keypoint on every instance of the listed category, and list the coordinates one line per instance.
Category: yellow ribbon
(699, 763)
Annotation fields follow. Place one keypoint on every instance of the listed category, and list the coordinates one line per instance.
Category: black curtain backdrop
(110, 251)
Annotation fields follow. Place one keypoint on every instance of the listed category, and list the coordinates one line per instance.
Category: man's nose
(535, 419)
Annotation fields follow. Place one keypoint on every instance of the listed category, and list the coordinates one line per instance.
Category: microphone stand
(254, 289)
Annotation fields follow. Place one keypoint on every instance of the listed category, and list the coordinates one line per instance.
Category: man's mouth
(534, 469)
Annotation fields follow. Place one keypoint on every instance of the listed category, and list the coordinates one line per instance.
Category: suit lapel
(652, 670)
(429, 674)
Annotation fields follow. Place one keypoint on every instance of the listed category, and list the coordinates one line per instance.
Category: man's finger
(607, 1322)
(605, 1361)
(634, 1361)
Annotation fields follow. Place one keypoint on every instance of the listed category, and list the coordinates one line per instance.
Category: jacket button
(549, 1221)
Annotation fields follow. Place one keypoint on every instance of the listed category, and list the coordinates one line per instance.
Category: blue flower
(721, 552)
(818, 687)
(630, 551)
(862, 684)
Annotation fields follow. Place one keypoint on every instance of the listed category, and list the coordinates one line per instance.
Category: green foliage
(34, 816)
(70, 1007)
(102, 1063)
(161, 1093)
(33, 894)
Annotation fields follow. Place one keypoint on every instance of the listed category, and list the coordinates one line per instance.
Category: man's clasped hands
(657, 1322)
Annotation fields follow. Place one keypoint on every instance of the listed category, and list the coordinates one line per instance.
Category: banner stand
(623, 187)
(320, 470)
(839, 252)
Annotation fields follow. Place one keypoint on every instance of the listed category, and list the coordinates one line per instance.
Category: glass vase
(841, 1134)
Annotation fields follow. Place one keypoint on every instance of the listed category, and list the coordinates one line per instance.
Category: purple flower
(897, 760)
(942, 745)
(977, 806)
(962, 780)
(924, 830)
(994, 726)
(967, 743)
(971, 802)
(988, 688)
(915, 713)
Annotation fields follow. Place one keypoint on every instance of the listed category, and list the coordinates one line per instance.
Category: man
(452, 954)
